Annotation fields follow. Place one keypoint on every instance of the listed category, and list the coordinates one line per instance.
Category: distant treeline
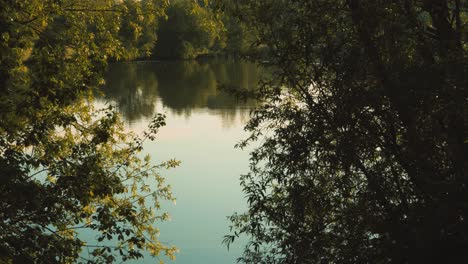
(194, 29)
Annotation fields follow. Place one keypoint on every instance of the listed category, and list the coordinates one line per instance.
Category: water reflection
(203, 125)
(182, 87)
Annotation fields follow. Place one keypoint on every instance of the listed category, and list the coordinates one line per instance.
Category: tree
(139, 26)
(190, 29)
(239, 38)
(363, 135)
(65, 166)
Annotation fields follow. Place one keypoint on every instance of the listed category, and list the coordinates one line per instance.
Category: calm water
(203, 125)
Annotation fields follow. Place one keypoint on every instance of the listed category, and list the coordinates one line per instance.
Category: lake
(203, 125)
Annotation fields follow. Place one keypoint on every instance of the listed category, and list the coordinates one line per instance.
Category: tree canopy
(194, 29)
(65, 166)
(363, 155)
(191, 29)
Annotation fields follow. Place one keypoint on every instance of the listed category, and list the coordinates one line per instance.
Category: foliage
(363, 136)
(139, 23)
(191, 29)
(66, 167)
(240, 39)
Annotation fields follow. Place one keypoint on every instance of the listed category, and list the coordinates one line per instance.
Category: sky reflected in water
(203, 125)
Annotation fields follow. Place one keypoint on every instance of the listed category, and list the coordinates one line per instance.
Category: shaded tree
(65, 166)
(191, 29)
(240, 39)
(363, 136)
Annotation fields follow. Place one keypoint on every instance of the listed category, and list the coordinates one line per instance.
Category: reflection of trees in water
(185, 85)
(133, 88)
(229, 117)
(182, 86)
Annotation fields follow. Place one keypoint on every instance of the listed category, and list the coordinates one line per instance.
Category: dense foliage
(240, 38)
(191, 29)
(363, 155)
(194, 29)
(64, 166)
